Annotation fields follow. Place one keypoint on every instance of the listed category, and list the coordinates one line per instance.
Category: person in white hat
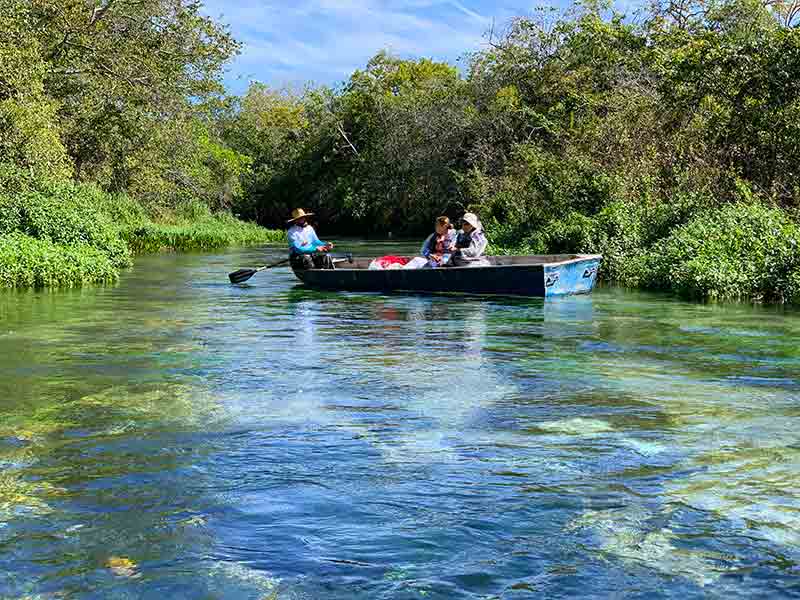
(470, 244)
(303, 240)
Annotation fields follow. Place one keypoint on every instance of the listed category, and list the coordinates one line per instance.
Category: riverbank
(65, 234)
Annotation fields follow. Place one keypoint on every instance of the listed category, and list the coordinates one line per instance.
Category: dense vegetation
(66, 233)
(668, 140)
(109, 143)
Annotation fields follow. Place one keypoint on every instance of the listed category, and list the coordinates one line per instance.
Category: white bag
(416, 263)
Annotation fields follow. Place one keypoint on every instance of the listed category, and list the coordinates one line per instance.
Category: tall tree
(29, 131)
(121, 69)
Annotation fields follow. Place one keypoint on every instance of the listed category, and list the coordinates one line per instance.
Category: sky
(291, 42)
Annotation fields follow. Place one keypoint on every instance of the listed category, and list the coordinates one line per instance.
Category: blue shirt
(303, 240)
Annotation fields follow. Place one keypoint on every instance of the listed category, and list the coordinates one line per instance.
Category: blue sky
(292, 42)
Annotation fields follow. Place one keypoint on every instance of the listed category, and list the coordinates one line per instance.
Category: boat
(540, 275)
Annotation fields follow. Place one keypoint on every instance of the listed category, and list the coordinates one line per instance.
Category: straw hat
(472, 219)
(299, 213)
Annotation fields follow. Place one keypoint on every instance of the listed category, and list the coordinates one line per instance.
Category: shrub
(214, 231)
(539, 186)
(29, 262)
(66, 214)
(746, 251)
(123, 211)
(621, 237)
(66, 234)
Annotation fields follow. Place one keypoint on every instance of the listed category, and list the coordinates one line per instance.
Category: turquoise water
(177, 437)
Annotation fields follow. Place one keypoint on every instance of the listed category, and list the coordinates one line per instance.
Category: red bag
(385, 261)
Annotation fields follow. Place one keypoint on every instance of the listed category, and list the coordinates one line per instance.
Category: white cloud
(325, 40)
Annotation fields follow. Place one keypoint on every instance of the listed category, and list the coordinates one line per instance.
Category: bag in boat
(388, 262)
(416, 263)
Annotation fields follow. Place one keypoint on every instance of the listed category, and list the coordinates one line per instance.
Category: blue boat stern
(573, 277)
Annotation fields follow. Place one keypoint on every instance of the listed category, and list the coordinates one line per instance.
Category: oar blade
(241, 275)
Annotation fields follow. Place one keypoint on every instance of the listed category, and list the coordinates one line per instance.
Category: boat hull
(540, 276)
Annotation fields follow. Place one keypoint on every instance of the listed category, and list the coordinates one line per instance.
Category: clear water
(177, 437)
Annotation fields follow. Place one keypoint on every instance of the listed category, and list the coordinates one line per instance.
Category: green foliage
(652, 145)
(185, 160)
(120, 94)
(29, 262)
(540, 198)
(741, 251)
(125, 97)
(66, 215)
(124, 73)
(194, 227)
(66, 234)
(30, 138)
(29, 133)
(56, 234)
(271, 129)
(381, 153)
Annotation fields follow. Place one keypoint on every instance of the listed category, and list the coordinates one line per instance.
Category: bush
(192, 226)
(66, 234)
(65, 214)
(29, 262)
(218, 232)
(744, 251)
(621, 236)
(543, 203)
(122, 210)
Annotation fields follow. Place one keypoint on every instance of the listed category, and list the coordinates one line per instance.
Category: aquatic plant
(29, 262)
(217, 231)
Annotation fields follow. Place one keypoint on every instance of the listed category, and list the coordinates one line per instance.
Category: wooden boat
(542, 276)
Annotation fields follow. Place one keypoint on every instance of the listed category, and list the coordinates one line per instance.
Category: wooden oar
(243, 275)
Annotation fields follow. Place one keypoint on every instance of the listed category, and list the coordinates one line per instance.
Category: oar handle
(244, 274)
(277, 264)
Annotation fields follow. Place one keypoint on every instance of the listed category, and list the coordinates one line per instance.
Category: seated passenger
(470, 244)
(440, 244)
(304, 245)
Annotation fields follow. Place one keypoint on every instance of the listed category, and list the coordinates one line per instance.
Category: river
(174, 436)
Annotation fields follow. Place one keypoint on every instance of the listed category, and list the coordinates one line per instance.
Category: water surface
(175, 436)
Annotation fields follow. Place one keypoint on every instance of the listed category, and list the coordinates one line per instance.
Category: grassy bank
(62, 234)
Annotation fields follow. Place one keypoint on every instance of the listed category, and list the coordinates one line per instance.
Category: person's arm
(452, 236)
(315, 241)
(477, 246)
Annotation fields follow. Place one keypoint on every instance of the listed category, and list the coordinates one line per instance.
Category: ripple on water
(267, 441)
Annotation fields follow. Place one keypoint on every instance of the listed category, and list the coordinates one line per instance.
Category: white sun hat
(473, 220)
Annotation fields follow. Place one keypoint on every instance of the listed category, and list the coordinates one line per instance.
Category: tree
(119, 69)
(29, 131)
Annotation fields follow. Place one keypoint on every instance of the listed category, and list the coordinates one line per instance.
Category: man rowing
(306, 250)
